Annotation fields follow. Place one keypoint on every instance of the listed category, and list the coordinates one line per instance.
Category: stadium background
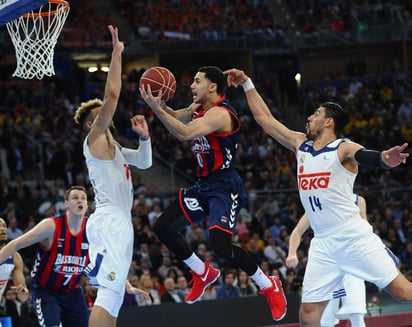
(329, 43)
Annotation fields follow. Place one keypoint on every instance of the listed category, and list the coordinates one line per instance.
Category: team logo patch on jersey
(224, 219)
(192, 204)
(201, 145)
(111, 276)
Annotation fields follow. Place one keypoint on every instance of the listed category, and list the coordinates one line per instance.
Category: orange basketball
(159, 78)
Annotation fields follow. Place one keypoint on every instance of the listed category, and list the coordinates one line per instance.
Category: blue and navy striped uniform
(216, 151)
(219, 193)
(56, 275)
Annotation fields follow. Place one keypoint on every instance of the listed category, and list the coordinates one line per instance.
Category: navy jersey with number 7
(60, 267)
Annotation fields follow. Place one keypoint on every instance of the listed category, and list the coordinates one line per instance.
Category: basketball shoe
(200, 282)
(276, 298)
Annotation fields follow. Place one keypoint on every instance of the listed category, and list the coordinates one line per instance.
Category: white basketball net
(34, 37)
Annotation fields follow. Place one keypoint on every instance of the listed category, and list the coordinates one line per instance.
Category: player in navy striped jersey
(59, 263)
(212, 125)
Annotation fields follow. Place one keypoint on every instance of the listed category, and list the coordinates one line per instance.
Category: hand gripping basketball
(159, 78)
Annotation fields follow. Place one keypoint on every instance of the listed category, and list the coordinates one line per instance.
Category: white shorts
(353, 303)
(329, 314)
(355, 299)
(109, 300)
(355, 250)
(110, 235)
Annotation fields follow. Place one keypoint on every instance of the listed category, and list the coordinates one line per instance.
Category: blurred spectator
(143, 253)
(141, 208)
(277, 227)
(255, 250)
(155, 211)
(13, 230)
(15, 158)
(292, 283)
(166, 265)
(228, 289)
(195, 235)
(182, 287)
(246, 286)
(171, 295)
(146, 284)
(274, 253)
(210, 293)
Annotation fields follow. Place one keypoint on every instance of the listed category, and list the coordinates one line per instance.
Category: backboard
(12, 9)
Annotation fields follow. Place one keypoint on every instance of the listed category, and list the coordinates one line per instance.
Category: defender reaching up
(326, 170)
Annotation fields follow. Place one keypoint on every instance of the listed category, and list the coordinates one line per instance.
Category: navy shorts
(218, 197)
(53, 308)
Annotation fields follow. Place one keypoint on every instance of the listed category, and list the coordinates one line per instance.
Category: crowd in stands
(185, 19)
(165, 20)
(348, 16)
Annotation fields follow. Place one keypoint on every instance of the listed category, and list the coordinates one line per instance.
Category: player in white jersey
(326, 170)
(109, 229)
(353, 296)
(11, 269)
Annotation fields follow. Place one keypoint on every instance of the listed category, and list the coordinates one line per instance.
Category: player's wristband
(248, 85)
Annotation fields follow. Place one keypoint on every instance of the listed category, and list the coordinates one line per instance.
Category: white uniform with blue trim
(6, 268)
(353, 303)
(109, 229)
(343, 242)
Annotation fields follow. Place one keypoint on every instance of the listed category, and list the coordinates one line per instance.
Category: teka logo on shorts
(313, 181)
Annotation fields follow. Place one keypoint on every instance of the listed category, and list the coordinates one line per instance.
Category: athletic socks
(261, 279)
(194, 263)
(357, 320)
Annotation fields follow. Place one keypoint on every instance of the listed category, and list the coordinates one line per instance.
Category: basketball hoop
(34, 36)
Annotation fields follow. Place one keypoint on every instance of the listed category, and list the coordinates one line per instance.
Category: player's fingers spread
(404, 146)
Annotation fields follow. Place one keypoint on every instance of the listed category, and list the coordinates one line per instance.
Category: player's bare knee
(308, 316)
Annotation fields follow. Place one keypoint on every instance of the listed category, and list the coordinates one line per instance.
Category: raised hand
(235, 77)
(394, 156)
(117, 45)
(139, 125)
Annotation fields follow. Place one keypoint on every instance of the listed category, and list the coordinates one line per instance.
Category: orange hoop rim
(51, 12)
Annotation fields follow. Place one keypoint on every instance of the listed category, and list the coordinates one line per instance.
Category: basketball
(159, 78)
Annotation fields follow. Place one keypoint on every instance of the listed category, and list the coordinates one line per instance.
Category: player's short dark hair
(215, 75)
(72, 188)
(339, 115)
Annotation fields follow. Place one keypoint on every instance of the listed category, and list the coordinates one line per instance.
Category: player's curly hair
(83, 111)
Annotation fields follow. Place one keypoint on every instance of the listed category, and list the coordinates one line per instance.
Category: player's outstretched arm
(214, 119)
(295, 239)
(42, 232)
(395, 156)
(142, 157)
(262, 113)
(137, 291)
(112, 87)
(18, 278)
